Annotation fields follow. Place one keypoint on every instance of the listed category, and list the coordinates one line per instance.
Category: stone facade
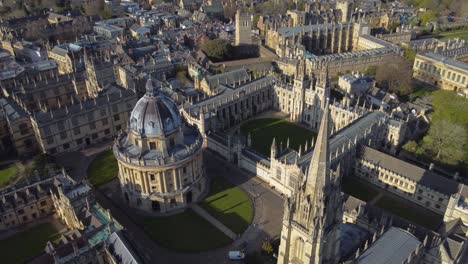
(441, 71)
(457, 207)
(159, 156)
(18, 135)
(83, 123)
(313, 213)
(243, 28)
(25, 204)
(420, 186)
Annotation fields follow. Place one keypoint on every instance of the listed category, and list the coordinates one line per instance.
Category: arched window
(298, 248)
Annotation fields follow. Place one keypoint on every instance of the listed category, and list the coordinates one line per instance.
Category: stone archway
(156, 206)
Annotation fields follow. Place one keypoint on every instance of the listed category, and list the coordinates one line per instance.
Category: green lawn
(358, 189)
(23, 246)
(263, 131)
(186, 232)
(388, 202)
(7, 173)
(103, 169)
(229, 204)
(463, 34)
(413, 213)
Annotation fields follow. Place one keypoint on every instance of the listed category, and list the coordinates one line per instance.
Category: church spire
(320, 164)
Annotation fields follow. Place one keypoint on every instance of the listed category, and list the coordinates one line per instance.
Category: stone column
(147, 181)
(163, 176)
(143, 182)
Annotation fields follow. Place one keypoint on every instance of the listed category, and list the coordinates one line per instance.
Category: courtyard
(391, 203)
(412, 212)
(25, 245)
(229, 204)
(185, 232)
(7, 173)
(103, 168)
(263, 131)
(358, 189)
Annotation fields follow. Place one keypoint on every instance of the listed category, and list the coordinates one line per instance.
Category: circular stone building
(159, 156)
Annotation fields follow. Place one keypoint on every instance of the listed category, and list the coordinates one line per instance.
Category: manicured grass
(413, 213)
(186, 232)
(263, 131)
(103, 169)
(463, 34)
(358, 189)
(229, 204)
(28, 244)
(7, 173)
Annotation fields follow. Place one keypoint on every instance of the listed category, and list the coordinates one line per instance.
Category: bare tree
(395, 76)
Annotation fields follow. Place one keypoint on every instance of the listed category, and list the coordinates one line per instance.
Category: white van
(236, 255)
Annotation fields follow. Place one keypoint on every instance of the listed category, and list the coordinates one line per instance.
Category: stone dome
(155, 115)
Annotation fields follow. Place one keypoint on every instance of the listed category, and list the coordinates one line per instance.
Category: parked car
(236, 255)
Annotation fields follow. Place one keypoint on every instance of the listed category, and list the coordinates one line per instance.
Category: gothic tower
(312, 216)
(321, 92)
(346, 7)
(243, 28)
(301, 82)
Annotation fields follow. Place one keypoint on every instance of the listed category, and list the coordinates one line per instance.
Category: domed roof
(154, 115)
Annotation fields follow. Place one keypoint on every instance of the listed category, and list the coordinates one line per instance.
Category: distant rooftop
(445, 60)
(393, 247)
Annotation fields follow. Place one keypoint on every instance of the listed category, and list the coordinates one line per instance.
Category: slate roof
(291, 31)
(453, 53)
(347, 134)
(77, 109)
(11, 110)
(422, 176)
(230, 77)
(121, 249)
(450, 63)
(393, 247)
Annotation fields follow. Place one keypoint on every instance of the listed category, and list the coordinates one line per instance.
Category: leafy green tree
(393, 26)
(409, 54)
(106, 12)
(427, 16)
(217, 49)
(445, 142)
(267, 248)
(449, 106)
(411, 146)
(255, 19)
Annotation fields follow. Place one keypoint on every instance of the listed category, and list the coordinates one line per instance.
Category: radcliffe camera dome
(166, 153)
(154, 115)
